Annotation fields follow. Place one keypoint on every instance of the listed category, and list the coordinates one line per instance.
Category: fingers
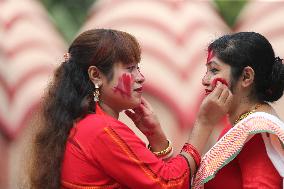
(139, 109)
(145, 107)
(132, 115)
(224, 95)
(218, 101)
(215, 94)
(129, 114)
(225, 98)
(146, 104)
(221, 95)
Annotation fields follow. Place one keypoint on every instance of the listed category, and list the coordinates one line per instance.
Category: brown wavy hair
(69, 97)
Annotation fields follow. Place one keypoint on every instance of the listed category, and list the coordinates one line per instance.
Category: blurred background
(174, 36)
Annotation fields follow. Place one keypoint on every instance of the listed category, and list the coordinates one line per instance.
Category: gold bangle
(162, 152)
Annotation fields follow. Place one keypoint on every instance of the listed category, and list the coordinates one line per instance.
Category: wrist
(164, 153)
(205, 124)
(200, 135)
(157, 140)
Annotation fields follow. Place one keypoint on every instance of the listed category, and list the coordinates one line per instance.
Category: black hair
(252, 49)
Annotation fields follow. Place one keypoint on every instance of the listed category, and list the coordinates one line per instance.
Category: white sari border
(230, 145)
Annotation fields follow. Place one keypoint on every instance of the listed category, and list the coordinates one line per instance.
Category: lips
(139, 90)
(207, 91)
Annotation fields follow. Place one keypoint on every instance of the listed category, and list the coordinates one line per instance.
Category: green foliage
(230, 9)
(69, 15)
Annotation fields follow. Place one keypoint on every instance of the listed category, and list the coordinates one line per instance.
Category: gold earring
(97, 93)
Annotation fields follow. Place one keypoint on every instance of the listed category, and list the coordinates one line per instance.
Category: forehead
(214, 61)
(121, 65)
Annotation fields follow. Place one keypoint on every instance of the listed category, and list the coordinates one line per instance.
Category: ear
(95, 75)
(247, 76)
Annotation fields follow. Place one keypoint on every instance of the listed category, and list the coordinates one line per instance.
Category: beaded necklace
(244, 115)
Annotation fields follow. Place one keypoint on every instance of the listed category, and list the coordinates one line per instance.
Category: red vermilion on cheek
(209, 56)
(214, 82)
(124, 85)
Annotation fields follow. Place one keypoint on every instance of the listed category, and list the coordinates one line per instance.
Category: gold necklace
(244, 115)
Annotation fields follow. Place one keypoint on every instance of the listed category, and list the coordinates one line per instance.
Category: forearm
(198, 139)
(199, 136)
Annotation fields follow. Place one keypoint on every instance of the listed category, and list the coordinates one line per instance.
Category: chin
(135, 102)
(130, 104)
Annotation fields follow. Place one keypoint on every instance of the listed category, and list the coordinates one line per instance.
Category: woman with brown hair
(82, 144)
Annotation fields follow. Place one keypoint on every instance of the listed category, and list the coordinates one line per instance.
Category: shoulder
(260, 122)
(93, 126)
(263, 117)
(99, 120)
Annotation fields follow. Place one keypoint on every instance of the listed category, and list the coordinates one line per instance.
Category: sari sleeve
(256, 168)
(125, 158)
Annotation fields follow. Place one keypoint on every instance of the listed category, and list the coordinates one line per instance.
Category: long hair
(69, 97)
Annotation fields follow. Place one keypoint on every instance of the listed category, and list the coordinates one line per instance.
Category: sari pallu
(230, 145)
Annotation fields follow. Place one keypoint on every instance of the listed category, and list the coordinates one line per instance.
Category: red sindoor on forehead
(210, 55)
(124, 85)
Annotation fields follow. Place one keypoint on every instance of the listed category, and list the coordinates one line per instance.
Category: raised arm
(212, 109)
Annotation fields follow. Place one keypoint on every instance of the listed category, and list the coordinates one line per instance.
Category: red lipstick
(139, 90)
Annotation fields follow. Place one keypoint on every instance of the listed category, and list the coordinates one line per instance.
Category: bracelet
(163, 153)
(192, 151)
(168, 156)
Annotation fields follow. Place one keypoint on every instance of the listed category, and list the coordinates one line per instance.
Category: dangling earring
(96, 93)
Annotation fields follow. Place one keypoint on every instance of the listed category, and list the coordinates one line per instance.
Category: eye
(132, 68)
(213, 70)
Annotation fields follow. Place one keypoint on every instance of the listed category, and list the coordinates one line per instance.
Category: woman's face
(125, 89)
(216, 69)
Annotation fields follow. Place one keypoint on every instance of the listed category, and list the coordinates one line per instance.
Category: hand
(147, 122)
(215, 106)
(144, 118)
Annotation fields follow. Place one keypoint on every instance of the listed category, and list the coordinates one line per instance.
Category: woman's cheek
(222, 80)
(124, 85)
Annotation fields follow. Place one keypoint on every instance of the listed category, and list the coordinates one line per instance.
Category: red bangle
(191, 150)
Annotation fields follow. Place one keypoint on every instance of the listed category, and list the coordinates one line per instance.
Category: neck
(110, 111)
(240, 109)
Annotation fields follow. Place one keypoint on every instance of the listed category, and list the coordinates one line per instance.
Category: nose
(140, 77)
(205, 80)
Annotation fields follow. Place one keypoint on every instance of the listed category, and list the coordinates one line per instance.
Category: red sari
(252, 168)
(102, 152)
(241, 160)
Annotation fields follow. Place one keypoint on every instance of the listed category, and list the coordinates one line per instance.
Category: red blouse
(251, 169)
(102, 152)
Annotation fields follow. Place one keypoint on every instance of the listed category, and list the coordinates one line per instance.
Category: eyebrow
(212, 62)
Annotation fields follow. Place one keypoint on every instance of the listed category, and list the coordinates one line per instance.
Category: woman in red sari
(250, 154)
(83, 145)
